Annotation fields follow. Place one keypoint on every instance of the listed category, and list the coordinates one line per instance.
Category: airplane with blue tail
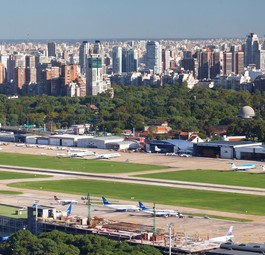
(120, 208)
(242, 167)
(69, 209)
(160, 212)
(223, 239)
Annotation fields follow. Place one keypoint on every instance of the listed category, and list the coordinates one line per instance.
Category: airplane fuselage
(123, 208)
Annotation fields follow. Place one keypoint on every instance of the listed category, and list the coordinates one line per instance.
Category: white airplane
(223, 239)
(120, 208)
(65, 201)
(160, 212)
(242, 167)
(80, 154)
(107, 156)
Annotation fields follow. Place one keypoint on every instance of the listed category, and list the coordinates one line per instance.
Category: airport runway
(138, 180)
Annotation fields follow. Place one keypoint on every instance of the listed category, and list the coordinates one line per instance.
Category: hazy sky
(92, 19)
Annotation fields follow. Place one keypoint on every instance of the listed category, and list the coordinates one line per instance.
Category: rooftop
(229, 143)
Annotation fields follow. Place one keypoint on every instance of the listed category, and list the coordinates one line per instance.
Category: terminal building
(238, 249)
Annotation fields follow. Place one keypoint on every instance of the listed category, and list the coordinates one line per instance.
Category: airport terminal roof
(239, 249)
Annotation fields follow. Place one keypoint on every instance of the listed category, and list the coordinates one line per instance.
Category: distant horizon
(126, 39)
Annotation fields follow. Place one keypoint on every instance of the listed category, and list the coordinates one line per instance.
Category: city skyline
(133, 19)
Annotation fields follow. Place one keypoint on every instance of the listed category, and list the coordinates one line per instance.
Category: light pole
(44, 123)
(170, 226)
(36, 216)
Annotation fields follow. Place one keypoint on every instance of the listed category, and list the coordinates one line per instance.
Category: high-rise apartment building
(227, 63)
(98, 48)
(208, 64)
(129, 60)
(11, 64)
(68, 74)
(262, 59)
(117, 60)
(94, 76)
(214, 64)
(238, 62)
(2, 73)
(31, 72)
(132, 60)
(166, 59)
(154, 56)
(83, 53)
(252, 50)
(188, 62)
(19, 77)
(51, 49)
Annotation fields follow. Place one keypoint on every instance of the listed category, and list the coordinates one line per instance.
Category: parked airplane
(223, 239)
(121, 208)
(242, 167)
(80, 154)
(65, 201)
(107, 156)
(160, 212)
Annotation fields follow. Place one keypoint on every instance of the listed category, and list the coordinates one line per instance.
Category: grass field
(220, 217)
(232, 178)
(7, 192)
(73, 164)
(219, 201)
(4, 175)
(10, 211)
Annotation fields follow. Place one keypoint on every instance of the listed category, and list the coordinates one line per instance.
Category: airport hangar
(169, 146)
(246, 150)
(106, 142)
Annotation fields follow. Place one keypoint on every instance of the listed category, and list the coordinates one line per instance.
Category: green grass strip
(9, 192)
(5, 175)
(220, 217)
(217, 201)
(233, 178)
(73, 164)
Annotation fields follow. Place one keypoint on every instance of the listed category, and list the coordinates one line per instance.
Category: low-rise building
(225, 149)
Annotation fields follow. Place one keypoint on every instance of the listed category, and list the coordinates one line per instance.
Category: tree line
(196, 110)
(24, 242)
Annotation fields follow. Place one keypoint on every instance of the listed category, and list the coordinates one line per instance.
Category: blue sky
(144, 19)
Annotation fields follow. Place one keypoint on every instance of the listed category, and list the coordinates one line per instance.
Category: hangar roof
(228, 143)
(175, 142)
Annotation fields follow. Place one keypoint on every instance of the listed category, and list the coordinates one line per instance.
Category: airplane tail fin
(105, 201)
(230, 232)
(69, 209)
(233, 165)
(141, 206)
